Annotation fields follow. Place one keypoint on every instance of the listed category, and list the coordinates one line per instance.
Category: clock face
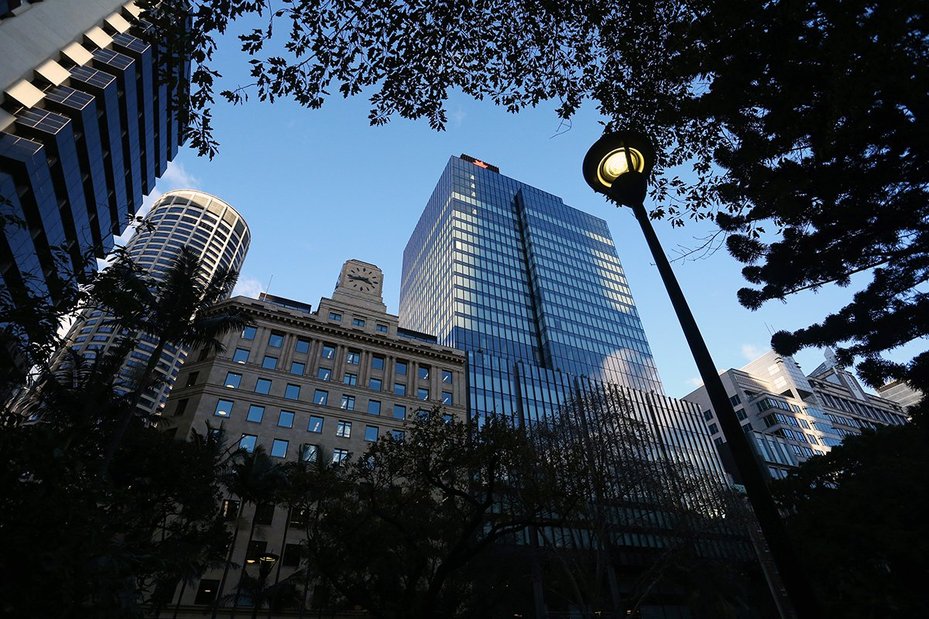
(362, 278)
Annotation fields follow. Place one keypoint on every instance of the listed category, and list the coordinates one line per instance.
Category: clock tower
(361, 284)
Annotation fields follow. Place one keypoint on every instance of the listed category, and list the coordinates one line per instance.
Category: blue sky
(318, 187)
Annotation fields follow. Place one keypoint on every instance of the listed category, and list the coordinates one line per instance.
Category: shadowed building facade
(88, 122)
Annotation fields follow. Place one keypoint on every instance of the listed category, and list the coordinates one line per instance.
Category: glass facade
(77, 158)
(509, 273)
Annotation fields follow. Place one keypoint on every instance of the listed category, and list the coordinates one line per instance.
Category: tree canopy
(800, 120)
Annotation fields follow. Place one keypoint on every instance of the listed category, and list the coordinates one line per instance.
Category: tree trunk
(238, 587)
(222, 582)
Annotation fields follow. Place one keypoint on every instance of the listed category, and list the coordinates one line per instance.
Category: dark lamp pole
(618, 165)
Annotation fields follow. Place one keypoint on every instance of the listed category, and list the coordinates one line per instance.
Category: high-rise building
(533, 291)
(202, 223)
(88, 122)
(303, 385)
(901, 393)
(790, 416)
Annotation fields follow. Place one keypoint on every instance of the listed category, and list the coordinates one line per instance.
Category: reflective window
(336, 316)
(377, 362)
(327, 352)
(302, 345)
(375, 384)
(255, 413)
(285, 419)
(422, 394)
(348, 403)
(397, 435)
(423, 372)
(223, 408)
(446, 377)
(248, 442)
(279, 448)
(374, 407)
(339, 456)
(269, 362)
(324, 374)
(292, 392)
(315, 424)
(276, 339)
(297, 368)
(350, 379)
(240, 355)
(248, 333)
(263, 386)
(399, 389)
(233, 380)
(447, 398)
(353, 357)
(400, 368)
(309, 452)
(344, 429)
(399, 411)
(358, 322)
(371, 433)
(381, 328)
(320, 397)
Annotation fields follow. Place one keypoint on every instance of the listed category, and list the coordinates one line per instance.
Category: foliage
(858, 515)
(799, 119)
(400, 531)
(98, 513)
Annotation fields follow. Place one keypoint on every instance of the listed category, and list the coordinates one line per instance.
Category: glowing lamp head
(624, 154)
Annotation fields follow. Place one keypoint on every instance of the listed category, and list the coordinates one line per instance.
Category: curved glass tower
(208, 226)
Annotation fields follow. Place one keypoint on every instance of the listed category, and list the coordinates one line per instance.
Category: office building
(306, 384)
(88, 122)
(901, 393)
(533, 291)
(202, 223)
(792, 416)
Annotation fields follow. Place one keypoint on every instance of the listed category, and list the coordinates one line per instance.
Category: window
(381, 328)
(422, 394)
(240, 355)
(348, 403)
(399, 411)
(255, 413)
(358, 322)
(233, 380)
(446, 377)
(255, 549)
(350, 379)
(400, 368)
(714, 429)
(336, 316)
(223, 408)
(339, 456)
(315, 425)
(399, 389)
(285, 419)
(324, 374)
(229, 510)
(264, 513)
(192, 379)
(206, 591)
(275, 339)
(309, 452)
(297, 368)
(375, 383)
(321, 397)
(344, 429)
(279, 448)
(269, 362)
(263, 386)
(292, 554)
(248, 333)
(247, 442)
(292, 392)
(181, 407)
(377, 362)
(353, 357)
(447, 398)
(707, 414)
(328, 351)
(302, 345)
(423, 372)
(397, 435)
(371, 433)
(374, 407)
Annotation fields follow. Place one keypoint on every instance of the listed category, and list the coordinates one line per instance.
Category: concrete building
(792, 416)
(901, 393)
(195, 220)
(306, 384)
(87, 125)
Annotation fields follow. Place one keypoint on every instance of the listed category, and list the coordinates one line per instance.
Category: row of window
(321, 396)
(309, 452)
(256, 413)
(357, 321)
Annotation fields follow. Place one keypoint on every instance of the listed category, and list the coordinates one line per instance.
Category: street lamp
(265, 564)
(618, 165)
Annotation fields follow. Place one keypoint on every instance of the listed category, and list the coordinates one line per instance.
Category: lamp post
(265, 563)
(618, 165)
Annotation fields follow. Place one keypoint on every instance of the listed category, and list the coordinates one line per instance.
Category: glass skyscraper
(514, 276)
